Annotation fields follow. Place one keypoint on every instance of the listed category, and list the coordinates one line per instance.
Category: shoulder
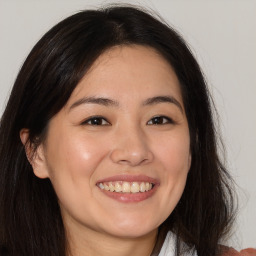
(232, 252)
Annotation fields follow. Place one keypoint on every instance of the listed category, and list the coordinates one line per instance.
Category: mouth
(127, 188)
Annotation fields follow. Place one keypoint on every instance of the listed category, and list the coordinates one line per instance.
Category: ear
(36, 158)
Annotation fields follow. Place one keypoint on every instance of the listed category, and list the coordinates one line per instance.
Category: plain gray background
(222, 35)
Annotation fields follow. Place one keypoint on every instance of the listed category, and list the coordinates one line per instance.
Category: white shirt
(168, 248)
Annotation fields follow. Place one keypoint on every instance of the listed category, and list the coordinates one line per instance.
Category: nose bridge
(131, 146)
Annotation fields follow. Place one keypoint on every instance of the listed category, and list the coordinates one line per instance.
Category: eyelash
(101, 121)
(96, 118)
(160, 118)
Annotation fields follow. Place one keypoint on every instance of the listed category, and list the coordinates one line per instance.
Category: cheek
(174, 154)
(73, 164)
(174, 158)
(74, 157)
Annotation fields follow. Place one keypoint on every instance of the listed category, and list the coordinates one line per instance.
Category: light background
(221, 33)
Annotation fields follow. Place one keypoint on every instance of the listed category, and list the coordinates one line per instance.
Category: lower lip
(130, 197)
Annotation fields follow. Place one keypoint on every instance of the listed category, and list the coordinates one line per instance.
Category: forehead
(122, 71)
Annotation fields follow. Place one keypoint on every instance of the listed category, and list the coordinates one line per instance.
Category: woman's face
(118, 153)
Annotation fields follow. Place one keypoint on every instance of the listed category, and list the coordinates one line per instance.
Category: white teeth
(142, 187)
(135, 187)
(101, 186)
(118, 187)
(106, 187)
(147, 186)
(111, 187)
(126, 187)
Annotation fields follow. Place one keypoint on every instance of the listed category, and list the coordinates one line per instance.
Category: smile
(126, 187)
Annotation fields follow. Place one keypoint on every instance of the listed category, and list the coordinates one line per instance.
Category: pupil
(157, 120)
(96, 121)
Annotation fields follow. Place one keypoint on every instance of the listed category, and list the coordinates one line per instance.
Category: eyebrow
(95, 100)
(162, 99)
(112, 103)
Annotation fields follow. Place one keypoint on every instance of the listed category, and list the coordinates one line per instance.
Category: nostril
(131, 155)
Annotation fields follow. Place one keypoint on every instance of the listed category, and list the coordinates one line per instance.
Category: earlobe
(39, 164)
(35, 157)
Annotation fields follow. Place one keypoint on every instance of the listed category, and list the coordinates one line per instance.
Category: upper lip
(130, 178)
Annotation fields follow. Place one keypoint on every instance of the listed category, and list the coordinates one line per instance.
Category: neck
(91, 242)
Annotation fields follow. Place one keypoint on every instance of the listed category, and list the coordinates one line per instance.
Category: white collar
(168, 248)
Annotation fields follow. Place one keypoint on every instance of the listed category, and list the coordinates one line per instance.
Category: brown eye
(160, 120)
(95, 121)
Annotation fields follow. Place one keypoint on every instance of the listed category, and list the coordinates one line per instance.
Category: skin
(77, 154)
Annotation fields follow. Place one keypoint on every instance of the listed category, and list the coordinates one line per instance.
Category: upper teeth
(126, 187)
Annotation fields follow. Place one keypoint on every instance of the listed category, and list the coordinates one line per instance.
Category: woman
(108, 145)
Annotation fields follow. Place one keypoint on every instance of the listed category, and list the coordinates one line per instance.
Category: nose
(131, 147)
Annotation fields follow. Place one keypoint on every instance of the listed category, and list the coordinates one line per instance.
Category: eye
(160, 120)
(95, 121)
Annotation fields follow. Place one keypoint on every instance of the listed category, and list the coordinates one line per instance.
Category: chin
(133, 229)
